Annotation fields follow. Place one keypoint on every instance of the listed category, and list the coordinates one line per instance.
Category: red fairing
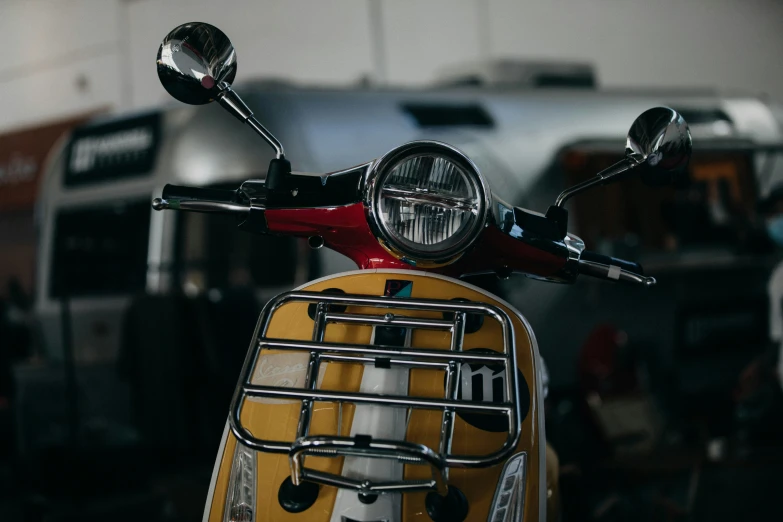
(345, 230)
(496, 251)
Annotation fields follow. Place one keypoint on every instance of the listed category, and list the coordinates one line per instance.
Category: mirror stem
(608, 175)
(231, 101)
(261, 131)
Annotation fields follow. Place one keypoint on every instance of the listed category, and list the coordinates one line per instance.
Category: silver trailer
(105, 176)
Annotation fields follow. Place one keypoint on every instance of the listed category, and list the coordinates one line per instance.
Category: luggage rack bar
(449, 360)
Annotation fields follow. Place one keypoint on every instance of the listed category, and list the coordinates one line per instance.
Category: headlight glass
(430, 205)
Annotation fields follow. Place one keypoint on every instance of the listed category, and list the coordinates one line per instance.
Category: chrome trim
(537, 360)
(609, 174)
(381, 168)
(407, 353)
(321, 352)
(428, 197)
(401, 451)
(575, 247)
(363, 167)
(230, 100)
(568, 274)
(306, 395)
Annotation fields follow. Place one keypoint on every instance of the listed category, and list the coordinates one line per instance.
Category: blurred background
(122, 330)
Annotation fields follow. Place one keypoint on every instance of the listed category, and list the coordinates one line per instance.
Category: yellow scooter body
(277, 419)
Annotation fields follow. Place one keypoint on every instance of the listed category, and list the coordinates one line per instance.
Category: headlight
(428, 202)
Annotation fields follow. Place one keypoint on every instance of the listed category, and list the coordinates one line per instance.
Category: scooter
(396, 392)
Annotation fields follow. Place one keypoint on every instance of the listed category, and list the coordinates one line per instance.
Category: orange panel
(278, 419)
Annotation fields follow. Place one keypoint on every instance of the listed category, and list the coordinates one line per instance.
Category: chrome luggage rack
(450, 361)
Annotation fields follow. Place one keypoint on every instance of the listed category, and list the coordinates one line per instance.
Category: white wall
(46, 48)
(303, 40)
(63, 57)
(731, 44)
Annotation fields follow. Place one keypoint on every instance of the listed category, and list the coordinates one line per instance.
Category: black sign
(736, 326)
(108, 151)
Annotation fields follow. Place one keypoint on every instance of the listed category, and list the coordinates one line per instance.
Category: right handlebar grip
(628, 266)
(198, 193)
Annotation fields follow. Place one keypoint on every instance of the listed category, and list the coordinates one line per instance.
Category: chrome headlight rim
(384, 165)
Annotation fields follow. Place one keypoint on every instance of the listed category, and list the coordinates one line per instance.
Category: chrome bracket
(439, 459)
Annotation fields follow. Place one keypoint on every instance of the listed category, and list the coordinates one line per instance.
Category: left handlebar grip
(197, 199)
(629, 266)
(605, 267)
(197, 193)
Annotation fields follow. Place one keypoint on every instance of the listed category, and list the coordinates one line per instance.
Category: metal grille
(439, 459)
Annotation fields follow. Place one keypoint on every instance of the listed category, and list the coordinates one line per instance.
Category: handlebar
(605, 267)
(238, 203)
(209, 194)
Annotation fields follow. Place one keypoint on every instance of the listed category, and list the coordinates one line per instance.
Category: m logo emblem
(483, 384)
(487, 383)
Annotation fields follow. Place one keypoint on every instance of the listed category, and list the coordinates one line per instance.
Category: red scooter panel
(345, 230)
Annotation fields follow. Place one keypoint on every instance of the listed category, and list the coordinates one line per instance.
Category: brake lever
(614, 273)
(200, 205)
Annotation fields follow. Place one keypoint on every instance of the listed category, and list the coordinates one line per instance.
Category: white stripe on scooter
(383, 423)
(536, 362)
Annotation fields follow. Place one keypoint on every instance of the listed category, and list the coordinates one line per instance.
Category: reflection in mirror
(196, 61)
(659, 144)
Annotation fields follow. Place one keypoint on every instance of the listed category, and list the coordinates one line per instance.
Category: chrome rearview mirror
(659, 142)
(658, 147)
(196, 62)
(197, 65)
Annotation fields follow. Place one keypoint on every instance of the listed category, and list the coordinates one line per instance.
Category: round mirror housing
(659, 146)
(196, 62)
